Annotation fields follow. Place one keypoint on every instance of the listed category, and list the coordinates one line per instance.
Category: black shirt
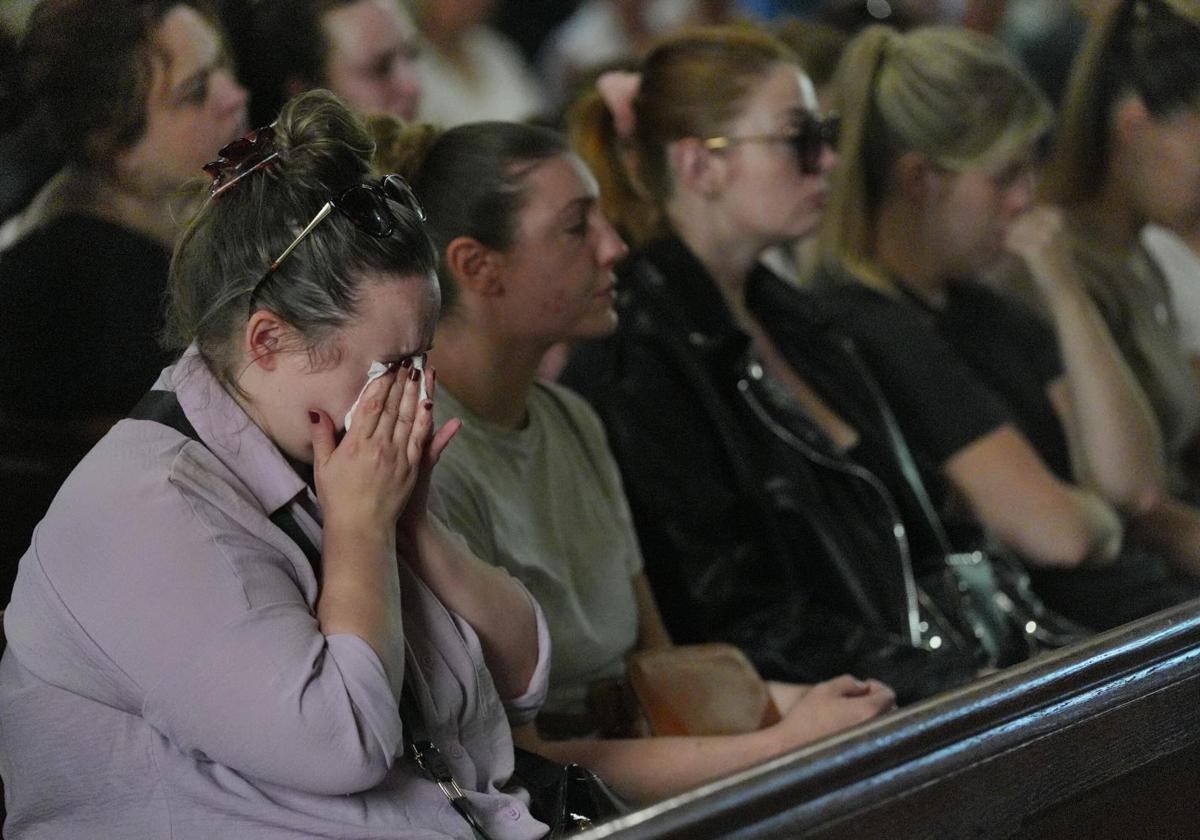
(83, 302)
(1015, 353)
(956, 374)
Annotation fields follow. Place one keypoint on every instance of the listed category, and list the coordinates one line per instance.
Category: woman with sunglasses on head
(1126, 155)
(239, 587)
(1037, 431)
(737, 422)
(526, 262)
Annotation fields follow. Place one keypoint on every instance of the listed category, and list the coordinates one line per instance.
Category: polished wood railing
(1099, 740)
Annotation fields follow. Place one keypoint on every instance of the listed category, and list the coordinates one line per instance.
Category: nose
(405, 87)
(828, 159)
(227, 93)
(611, 247)
(1020, 195)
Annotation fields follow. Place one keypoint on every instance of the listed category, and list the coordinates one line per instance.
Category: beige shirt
(546, 503)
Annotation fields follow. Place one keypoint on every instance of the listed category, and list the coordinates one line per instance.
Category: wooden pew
(1100, 740)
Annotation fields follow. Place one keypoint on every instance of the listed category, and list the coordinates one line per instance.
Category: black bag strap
(425, 754)
(899, 447)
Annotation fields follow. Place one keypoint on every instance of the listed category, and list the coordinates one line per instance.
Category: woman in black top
(936, 186)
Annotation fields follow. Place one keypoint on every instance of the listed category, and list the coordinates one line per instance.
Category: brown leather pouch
(710, 689)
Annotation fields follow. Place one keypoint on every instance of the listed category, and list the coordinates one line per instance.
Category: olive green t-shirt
(546, 503)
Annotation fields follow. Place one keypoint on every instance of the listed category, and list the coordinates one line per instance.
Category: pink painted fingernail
(429, 405)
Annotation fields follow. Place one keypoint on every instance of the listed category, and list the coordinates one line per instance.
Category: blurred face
(1164, 172)
(766, 195)
(194, 106)
(558, 273)
(372, 58)
(970, 211)
(395, 321)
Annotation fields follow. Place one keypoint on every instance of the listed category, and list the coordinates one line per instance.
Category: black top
(956, 374)
(953, 375)
(1015, 353)
(83, 302)
(754, 529)
(939, 401)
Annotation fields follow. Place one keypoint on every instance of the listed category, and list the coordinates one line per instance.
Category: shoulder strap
(900, 449)
(163, 407)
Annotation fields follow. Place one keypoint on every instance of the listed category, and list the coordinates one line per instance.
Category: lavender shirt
(165, 675)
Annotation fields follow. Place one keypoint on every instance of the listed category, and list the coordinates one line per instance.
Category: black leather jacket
(755, 530)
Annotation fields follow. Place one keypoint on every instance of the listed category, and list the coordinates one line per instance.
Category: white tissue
(378, 369)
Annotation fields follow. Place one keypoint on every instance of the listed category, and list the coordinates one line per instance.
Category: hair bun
(319, 137)
(400, 148)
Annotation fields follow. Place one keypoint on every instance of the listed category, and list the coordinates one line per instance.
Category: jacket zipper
(899, 532)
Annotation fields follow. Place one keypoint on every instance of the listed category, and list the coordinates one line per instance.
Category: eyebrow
(179, 90)
(582, 203)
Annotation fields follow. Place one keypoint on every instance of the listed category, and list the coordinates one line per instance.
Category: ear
(1128, 118)
(475, 266)
(263, 338)
(912, 175)
(696, 168)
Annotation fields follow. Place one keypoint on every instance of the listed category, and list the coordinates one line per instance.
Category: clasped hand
(379, 470)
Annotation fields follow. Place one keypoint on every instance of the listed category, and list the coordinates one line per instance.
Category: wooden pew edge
(926, 741)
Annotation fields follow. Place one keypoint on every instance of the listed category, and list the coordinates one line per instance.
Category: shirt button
(513, 814)
(456, 752)
(427, 660)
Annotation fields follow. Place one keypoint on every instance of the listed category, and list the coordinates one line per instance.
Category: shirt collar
(230, 434)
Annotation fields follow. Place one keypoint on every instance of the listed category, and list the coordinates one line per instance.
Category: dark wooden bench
(1101, 740)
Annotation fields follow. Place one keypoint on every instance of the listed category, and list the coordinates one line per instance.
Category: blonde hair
(953, 95)
(693, 85)
(1146, 47)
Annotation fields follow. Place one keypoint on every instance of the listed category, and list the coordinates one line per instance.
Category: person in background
(365, 51)
(819, 47)
(468, 70)
(600, 34)
(29, 152)
(240, 609)
(1039, 431)
(1177, 253)
(526, 261)
(1127, 153)
(141, 95)
(736, 420)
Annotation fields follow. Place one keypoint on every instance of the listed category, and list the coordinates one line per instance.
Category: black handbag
(986, 589)
(567, 797)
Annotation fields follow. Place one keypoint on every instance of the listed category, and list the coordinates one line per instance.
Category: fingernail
(414, 374)
(313, 417)
(429, 405)
(407, 363)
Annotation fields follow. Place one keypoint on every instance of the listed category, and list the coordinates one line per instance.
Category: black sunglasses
(365, 205)
(809, 139)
